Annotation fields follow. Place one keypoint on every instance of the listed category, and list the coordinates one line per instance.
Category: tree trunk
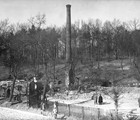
(12, 89)
(72, 75)
(46, 82)
(67, 78)
(116, 54)
(98, 57)
(116, 111)
(54, 62)
(27, 91)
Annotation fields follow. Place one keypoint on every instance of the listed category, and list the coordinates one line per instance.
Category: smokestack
(68, 34)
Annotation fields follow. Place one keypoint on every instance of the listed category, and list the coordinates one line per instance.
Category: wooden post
(55, 109)
(82, 113)
(98, 113)
(69, 109)
(91, 113)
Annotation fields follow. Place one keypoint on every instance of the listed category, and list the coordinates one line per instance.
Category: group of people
(36, 98)
(97, 99)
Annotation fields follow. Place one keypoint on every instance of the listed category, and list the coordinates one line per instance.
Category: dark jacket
(100, 99)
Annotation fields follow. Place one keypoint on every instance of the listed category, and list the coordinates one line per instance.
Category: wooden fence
(84, 113)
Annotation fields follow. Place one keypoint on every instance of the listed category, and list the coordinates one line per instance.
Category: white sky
(55, 10)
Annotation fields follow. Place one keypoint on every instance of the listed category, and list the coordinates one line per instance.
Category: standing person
(8, 92)
(33, 93)
(95, 98)
(139, 101)
(100, 100)
(39, 91)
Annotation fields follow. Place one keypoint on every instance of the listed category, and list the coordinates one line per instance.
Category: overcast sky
(55, 10)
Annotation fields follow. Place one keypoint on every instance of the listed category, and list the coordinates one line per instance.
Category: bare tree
(15, 59)
(134, 24)
(115, 93)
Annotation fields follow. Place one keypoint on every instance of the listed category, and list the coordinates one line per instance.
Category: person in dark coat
(8, 92)
(39, 91)
(139, 101)
(33, 95)
(100, 100)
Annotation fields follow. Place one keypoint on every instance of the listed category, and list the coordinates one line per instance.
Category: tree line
(93, 39)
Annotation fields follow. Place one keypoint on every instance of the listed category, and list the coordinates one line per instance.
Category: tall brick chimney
(68, 34)
(68, 47)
